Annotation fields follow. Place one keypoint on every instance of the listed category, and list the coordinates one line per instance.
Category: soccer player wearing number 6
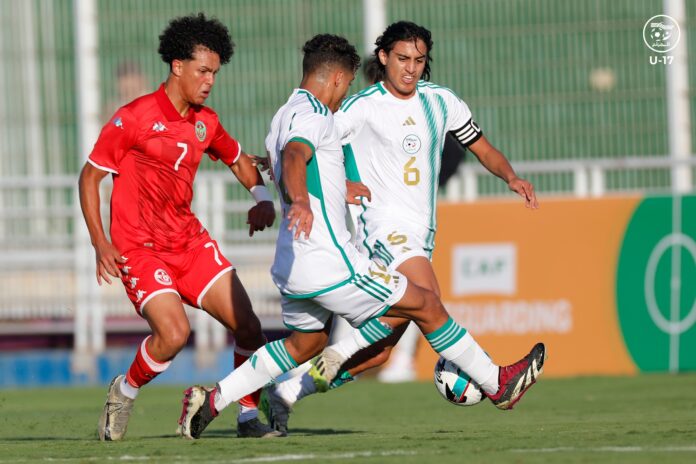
(163, 255)
(318, 270)
(393, 134)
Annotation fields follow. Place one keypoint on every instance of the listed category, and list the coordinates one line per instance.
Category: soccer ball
(455, 386)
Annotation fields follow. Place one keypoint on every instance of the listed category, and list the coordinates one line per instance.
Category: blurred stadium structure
(564, 87)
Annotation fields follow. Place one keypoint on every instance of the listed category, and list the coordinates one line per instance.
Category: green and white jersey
(397, 146)
(305, 268)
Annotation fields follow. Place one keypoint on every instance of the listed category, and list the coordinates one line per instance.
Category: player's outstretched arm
(294, 177)
(263, 164)
(497, 163)
(262, 214)
(108, 257)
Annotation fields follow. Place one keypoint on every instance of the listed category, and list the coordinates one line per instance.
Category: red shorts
(189, 274)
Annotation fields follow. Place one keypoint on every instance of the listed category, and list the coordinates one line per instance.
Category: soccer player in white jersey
(393, 134)
(317, 269)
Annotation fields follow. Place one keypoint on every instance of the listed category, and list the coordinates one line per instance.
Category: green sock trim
(280, 355)
(446, 336)
(374, 331)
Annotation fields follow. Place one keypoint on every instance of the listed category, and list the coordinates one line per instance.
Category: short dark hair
(325, 49)
(182, 35)
(404, 31)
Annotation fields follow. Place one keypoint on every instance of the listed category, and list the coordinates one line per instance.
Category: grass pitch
(649, 418)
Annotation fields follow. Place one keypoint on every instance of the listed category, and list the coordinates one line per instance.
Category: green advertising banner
(656, 284)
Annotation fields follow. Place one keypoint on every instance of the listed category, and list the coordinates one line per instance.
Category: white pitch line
(611, 449)
(308, 457)
(186, 459)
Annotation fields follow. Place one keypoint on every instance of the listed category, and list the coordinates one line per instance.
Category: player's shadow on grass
(232, 433)
(293, 432)
(300, 431)
(52, 438)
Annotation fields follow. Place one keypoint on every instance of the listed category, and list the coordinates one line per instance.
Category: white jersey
(305, 268)
(397, 145)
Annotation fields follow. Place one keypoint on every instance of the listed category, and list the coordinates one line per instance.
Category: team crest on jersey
(118, 122)
(411, 144)
(200, 130)
(162, 277)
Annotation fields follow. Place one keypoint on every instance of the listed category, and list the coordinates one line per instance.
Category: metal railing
(588, 178)
(47, 271)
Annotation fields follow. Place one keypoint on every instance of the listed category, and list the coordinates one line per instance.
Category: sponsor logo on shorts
(139, 295)
(200, 130)
(162, 277)
(134, 281)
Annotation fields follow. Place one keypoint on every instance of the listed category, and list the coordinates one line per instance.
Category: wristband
(260, 193)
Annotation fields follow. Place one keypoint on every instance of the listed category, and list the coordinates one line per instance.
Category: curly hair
(329, 49)
(182, 35)
(403, 31)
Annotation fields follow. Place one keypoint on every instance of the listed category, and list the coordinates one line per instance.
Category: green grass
(640, 419)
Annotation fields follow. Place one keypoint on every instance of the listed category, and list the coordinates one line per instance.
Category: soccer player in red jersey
(163, 255)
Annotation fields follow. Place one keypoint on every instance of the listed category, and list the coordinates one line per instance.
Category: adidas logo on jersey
(409, 122)
(159, 127)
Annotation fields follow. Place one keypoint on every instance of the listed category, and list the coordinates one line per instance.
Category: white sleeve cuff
(260, 193)
(103, 168)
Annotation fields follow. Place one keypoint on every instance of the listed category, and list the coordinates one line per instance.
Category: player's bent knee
(303, 347)
(432, 306)
(177, 337)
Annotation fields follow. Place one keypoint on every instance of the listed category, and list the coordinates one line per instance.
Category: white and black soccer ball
(455, 386)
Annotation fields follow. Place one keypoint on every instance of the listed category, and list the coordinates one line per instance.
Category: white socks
(246, 413)
(371, 332)
(475, 362)
(266, 364)
(454, 344)
(296, 388)
(128, 390)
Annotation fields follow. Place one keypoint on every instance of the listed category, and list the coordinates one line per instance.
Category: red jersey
(153, 153)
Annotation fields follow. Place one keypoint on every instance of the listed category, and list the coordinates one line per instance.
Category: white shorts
(368, 294)
(392, 244)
